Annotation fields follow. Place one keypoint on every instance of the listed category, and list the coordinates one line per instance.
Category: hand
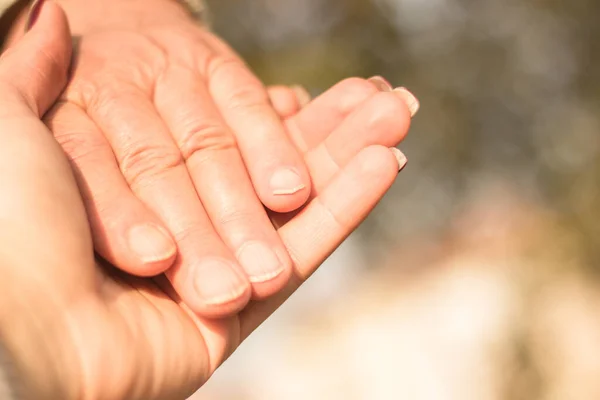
(176, 148)
(76, 328)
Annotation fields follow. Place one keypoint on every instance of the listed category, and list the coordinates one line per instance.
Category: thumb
(35, 68)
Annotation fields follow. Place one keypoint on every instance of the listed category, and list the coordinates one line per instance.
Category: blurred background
(478, 276)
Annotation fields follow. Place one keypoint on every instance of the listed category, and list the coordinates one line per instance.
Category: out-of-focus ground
(478, 277)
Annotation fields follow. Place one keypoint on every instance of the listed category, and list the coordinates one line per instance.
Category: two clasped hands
(208, 198)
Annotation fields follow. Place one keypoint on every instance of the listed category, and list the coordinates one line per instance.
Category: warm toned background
(478, 276)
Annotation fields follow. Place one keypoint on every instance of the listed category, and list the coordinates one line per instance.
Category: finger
(284, 101)
(125, 232)
(383, 120)
(205, 275)
(38, 63)
(330, 218)
(275, 166)
(310, 126)
(221, 180)
(288, 100)
(302, 95)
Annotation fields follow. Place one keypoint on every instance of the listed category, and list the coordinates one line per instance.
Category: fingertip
(383, 120)
(382, 84)
(47, 19)
(286, 181)
(286, 190)
(400, 158)
(314, 123)
(216, 288)
(303, 97)
(377, 160)
(34, 13)
(153, 249)
(259, 261)
(410, 99)
(143, 249)
(264, 290)
(268, 270)
(39, 61)
(284, 100)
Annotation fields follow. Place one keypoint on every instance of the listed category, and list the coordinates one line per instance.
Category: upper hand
(176, 148)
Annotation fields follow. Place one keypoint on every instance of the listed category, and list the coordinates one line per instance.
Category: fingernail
(381, 83)
(151, 243)
(410, 100)
(34, 13)
(260, 262)
(286, 181)
(400, 157)
(302, 95)
(216, 282)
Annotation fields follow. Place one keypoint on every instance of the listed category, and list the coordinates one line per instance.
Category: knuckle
(77, 137)
(245, 90)
(205, 135)
(248, 96)
(218, 64)
(102, 98)
(81, 92)
(144, 161)
(78, 145)
(229, 216)
(192, 233)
